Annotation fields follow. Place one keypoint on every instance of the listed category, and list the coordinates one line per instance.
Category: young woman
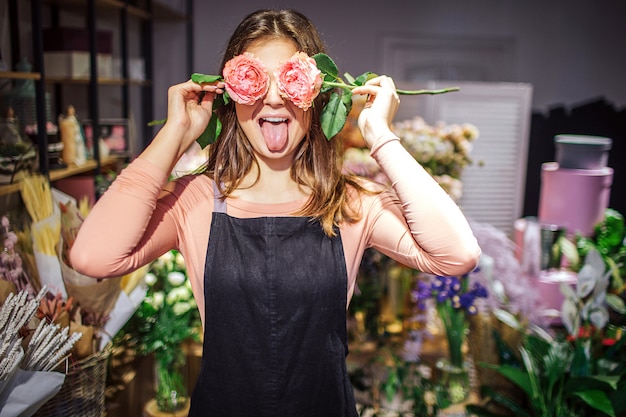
(272, 232)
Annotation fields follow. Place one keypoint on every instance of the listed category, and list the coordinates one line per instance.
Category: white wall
(569, 50)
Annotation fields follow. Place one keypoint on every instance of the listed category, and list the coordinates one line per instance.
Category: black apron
(275, 339)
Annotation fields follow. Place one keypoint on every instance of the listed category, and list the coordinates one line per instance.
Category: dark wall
(595, 117)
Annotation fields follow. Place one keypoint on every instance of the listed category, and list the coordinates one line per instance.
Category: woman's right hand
(189, 110)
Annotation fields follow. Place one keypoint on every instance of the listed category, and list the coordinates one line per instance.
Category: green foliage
(560, 378)
(412, 382)
(609, 239)
(168, 315)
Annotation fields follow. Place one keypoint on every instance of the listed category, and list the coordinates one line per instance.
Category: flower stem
(416, 92)
(399, 91)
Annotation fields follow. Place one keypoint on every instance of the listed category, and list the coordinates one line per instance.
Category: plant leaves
(507, 318)
(204, 78)
(598, 400)
(506, 401)
(334, 116)
(326, 65)
(363, 78)
(616, 303)
(591, 382)
(517, 376)
(157, 122)
(211, 132)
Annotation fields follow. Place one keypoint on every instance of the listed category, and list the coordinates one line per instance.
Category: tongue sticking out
(275, 134)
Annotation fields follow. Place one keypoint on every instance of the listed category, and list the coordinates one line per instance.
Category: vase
(170, 383)
(453, 370)
(454, 379)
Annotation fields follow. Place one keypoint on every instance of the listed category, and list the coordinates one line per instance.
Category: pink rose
(245, 78)
(299, 80)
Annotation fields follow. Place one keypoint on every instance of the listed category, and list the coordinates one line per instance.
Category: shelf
(104, 5)
(16, 75)
(101, 81)
(58, 174)
(162, 11)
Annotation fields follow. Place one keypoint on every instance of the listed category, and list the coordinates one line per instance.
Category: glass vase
(454, 379)
(170, 383)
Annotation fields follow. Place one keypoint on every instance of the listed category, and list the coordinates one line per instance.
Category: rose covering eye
(299, 80)
(246, 79)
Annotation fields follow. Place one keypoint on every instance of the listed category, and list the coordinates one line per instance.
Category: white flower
(150, 279)
(167, 257)
(425, 371)
(178, 294)
(157, 299)
(181, 307)
(180, 261)
(176, 278)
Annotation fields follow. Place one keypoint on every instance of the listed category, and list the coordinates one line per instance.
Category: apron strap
(219, 204)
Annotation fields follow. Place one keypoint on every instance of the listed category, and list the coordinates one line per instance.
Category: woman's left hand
(379, 109)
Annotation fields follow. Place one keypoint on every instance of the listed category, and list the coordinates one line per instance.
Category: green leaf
(157, 122)
(478, 410)
(334, 116)
(205, 78)
(598, 400)
(591, 383)
(214, 128)
(504, 400)
(616, 303)
(507, 318)
(515, 375)
(363, 78)
(326, 65)
(349, 78)
(211, 132)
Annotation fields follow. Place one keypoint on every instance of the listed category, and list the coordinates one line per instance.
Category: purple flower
(479, 290)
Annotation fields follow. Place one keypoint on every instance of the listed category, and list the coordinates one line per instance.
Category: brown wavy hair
(317, 163)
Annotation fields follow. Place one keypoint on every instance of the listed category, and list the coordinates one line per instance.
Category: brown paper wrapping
(98, 298)
(6, 288)
(85, 346)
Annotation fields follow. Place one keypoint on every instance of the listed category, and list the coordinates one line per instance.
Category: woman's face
(273, 125)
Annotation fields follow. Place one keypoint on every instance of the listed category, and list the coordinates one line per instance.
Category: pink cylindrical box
(574, 198)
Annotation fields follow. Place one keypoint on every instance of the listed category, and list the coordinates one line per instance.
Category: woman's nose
(273, 97)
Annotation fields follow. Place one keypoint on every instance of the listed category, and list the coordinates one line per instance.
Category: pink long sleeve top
(142, 216)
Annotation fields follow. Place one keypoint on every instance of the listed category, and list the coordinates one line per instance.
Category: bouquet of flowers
(443, 150)
(167, 317)
(454, 300)
(30, 351)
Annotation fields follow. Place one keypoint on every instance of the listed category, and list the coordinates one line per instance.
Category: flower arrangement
(300, 79)
(579, 369)
(31, 351)
(408, 387)
(167, 317)
(559, 377)
(454, 300)
(444, 150)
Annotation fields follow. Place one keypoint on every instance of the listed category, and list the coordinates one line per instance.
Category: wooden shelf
(15, 75)
(58, 174)
(104, 5)
(101, 81)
